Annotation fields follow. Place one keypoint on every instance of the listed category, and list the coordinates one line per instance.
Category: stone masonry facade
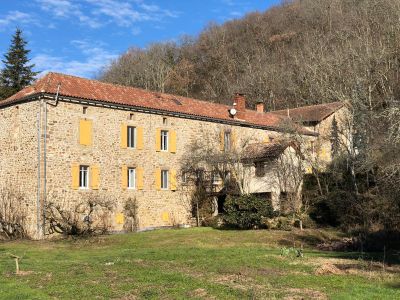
(19, 142)
(45, 138)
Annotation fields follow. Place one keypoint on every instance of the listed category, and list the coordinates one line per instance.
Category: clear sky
(79, 37)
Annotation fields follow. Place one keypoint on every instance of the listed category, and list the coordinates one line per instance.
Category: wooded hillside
(303, 52)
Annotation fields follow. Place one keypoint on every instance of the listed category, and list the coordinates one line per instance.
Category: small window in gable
(260, 169)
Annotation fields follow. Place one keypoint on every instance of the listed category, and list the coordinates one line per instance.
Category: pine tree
(335, 143)
(17, 73)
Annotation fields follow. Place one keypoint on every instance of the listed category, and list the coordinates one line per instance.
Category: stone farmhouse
(65, 137)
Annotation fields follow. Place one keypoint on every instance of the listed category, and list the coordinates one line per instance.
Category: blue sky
(79, 37)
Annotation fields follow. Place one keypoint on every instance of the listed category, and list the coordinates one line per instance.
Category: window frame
(164, 179)
(129, 131)
(164, 136)
(84, 177)
(227, 141)
(184, 177)
(215, 178)
(258, 166)
(130, 171)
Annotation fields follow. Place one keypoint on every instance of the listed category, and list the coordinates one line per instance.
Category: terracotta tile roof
(265, 151)
(94, 90)
(312, 113)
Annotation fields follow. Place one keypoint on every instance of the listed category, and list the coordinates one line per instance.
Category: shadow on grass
(394, 285)
(390, 257)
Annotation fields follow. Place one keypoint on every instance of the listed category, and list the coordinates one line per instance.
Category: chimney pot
(240, 101)
(260, 107)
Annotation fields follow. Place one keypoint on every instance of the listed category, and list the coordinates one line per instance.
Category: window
(200, 175)
(215, 178)
(164, 179)
(131, 178)
(184, 177)
(312, 146)
(131, 116)
(84, 177)
(165, 121)
(164, 140)
(84, 110)
(131, 137)
(227, 141)
(227, 176)
(260, 169)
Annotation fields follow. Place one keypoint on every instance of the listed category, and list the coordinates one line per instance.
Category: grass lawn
(197, 263)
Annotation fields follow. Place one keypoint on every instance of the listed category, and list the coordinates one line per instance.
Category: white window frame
(84, 175)
(164, 179)
(164, 135)
(227, 141)
(131, 130)
(132, 178)
(215, 178)
(184, 177)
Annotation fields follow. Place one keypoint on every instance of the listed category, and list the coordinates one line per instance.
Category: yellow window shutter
(172, 144)
(233, 139)
(139, 138)
(165, 216)
(119, 218)
(139, 178)
(266, 139)
(124, 177)
(124, 136)
(222, 141)
(75, 176)
(85, 132)
(158, 140)
(172, 180)
(94, 177)
(158, 179)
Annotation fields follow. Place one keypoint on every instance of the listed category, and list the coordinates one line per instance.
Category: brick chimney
(260, 107)
(240, 101)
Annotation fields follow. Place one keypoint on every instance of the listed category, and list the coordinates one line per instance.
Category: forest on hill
(297, 53)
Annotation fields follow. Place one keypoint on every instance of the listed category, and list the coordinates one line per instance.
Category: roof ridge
(134, 88)
(307, 106)
(96, 90)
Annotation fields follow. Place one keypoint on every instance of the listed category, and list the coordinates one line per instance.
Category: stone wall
(323, 145)
(19, 156)
(156, 208)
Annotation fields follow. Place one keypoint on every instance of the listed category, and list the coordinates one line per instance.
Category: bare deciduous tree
(88, 217)
(13, 213)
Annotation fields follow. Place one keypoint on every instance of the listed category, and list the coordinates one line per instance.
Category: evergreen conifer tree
(17, 72)
(335, 143)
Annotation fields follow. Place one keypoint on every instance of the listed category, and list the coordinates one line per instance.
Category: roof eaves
(111, 104)
(27, 98)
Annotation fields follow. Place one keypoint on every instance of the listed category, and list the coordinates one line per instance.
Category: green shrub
(279, 223)
(211, 221)
(246, 211)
